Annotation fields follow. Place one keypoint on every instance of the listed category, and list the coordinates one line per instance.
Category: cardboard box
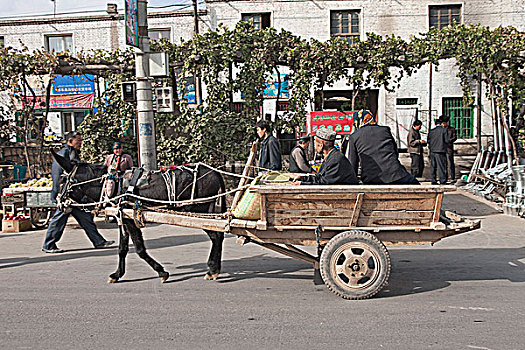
(16, 225)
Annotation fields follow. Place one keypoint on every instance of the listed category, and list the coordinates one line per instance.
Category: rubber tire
(40, 224)
(376, 246)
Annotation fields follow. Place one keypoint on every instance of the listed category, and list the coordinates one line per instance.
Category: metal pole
(478, 115)
(430, 124)
(145, 115)
(198, 83)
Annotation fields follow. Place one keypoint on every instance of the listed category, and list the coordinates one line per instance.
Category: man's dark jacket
(452, 137)
(69, 153)
(374, 148)
(335, 170)
(438, 140)
(270, 157)
(414, 146)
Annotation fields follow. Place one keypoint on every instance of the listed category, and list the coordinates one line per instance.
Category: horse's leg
(123, 248)
(138, 241)
(214, 260)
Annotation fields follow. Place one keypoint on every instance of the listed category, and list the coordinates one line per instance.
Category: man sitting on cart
(58, 222)
(373, 147)
(335, 169)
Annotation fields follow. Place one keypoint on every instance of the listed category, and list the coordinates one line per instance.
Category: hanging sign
(132, 23)
(340, 122)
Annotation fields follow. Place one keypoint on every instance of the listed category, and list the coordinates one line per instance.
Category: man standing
(438, 145)
(270, 156)
(335, 169)
(58, 222)
(373, 147)
(415, 148)
(452, 137)
(298, 160)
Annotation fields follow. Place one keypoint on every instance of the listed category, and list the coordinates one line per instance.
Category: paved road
(466, 292)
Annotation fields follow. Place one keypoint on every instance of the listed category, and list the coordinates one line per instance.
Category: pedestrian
(117, 160)
(373, 147)
(335, 169)
(437, 146)
(70, 151)
(270, 153)
(415, 148)
(298, 160)
(452, 137)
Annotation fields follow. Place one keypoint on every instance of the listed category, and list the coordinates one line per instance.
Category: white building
(318, 19)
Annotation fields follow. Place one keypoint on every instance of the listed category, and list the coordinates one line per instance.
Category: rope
(176, 203)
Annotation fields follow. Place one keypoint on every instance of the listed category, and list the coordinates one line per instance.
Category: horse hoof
(211, 276)
(112, 280)
(164, 276)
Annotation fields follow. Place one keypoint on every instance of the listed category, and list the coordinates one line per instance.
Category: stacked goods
(249, 207)
(15, 223)
(42, 182)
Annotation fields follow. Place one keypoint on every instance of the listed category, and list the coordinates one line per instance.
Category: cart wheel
(355, 265)
(40, 217)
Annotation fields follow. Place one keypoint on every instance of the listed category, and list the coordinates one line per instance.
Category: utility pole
(198, 83)
(145, 115)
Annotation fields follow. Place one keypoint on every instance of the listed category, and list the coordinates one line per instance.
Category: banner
(132, 23)
(63, 101)
(340, 122)
(72, 84)
(271, 86)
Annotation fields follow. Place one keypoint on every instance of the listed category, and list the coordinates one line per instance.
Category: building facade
(426, 94)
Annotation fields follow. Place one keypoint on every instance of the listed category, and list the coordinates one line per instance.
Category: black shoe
(52, 251)
(105, 244)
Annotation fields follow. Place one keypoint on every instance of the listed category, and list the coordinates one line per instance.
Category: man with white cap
(335, 169)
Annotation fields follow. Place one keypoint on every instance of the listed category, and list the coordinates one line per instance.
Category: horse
(81, 185)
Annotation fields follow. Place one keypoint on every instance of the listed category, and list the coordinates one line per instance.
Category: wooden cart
(350, 225)
(36, 201)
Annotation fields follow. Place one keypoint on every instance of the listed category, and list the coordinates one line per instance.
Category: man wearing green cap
(335, 169)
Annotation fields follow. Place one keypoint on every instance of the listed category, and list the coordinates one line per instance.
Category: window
(259, 20)
(406, 101)
(157, 34)
(446, 15)
(59, 43)
(461, 117)
(345, 24)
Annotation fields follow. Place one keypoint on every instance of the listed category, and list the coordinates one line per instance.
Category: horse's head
(81, 182)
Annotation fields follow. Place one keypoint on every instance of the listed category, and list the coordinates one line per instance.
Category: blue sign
(145, 129)
(73, 84)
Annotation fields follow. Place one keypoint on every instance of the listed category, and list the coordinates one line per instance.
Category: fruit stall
(26, 203)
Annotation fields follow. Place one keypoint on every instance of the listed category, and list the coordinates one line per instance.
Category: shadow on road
(423, 270)
(466, 206)
(73, 254)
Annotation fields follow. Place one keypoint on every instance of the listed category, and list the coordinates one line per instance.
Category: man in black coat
(437, 145)
(58, 222)
(270, 153)
(415, 148)
(374, 148)
(335, 169)
(452, 137)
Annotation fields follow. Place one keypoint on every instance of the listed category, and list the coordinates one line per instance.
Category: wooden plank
(291, 197)
(329, 212)
(290, 189)
(437, 209)
(396, 204)
(357, 209)
(307, 205)
(309, 221)
(398, 214)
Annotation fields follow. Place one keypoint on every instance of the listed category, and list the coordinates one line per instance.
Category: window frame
(63, 36)
(261, 14)
(350, 37)
(439, 8)
(160, 30)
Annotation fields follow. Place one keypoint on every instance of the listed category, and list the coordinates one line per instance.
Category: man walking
(58, 222)
(415, 148)
(452, 137)
(438, 145)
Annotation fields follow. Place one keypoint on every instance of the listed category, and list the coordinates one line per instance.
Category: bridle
(64, 201)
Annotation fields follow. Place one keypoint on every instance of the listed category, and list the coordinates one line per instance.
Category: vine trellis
(239, 60)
